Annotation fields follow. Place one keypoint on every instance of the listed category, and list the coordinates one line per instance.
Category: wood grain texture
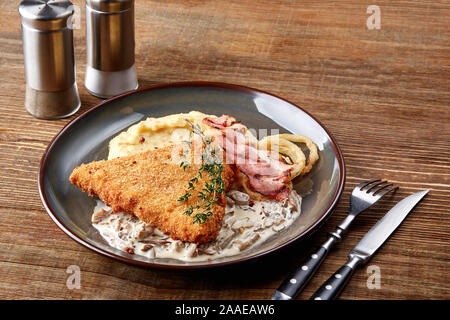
(384, 94)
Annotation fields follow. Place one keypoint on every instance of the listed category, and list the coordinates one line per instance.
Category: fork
(365, 195)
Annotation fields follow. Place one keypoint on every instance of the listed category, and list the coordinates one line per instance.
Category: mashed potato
(155, 133)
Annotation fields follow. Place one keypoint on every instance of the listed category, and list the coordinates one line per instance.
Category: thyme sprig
(211, 166)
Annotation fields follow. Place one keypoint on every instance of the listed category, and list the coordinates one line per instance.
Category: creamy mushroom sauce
(246, 224)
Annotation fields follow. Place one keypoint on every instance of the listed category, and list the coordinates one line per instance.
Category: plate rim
(222, 85)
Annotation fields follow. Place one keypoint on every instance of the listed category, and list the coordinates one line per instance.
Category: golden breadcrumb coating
(149, 185)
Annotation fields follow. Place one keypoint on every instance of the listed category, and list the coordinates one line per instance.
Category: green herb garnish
(215, 186)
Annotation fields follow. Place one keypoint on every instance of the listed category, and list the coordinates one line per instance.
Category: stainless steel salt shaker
(110, 47)
(51, 90)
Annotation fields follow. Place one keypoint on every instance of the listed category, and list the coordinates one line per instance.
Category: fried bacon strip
(267, 172)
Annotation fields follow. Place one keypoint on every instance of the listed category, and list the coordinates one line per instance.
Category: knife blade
(368, 245)
(386, 226)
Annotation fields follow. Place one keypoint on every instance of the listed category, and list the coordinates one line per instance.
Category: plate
(86, 138)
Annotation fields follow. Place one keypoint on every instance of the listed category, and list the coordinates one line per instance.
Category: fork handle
(297, 280)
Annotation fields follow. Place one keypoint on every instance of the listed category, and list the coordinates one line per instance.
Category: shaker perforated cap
(109, 5)
(46, 14)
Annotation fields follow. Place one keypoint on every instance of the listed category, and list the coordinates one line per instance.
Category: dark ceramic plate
(86, 139)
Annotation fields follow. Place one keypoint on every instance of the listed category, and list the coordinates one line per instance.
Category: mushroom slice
(242, 245)
(239, 197)
(100, 215)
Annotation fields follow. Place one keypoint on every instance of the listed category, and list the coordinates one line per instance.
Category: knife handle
(331, 288)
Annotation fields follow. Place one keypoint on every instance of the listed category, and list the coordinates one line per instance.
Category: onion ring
(288, 148)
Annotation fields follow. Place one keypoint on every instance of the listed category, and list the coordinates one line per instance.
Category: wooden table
(384, 94)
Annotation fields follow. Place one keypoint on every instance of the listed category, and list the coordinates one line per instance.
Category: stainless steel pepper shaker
(110, 47)
(51, 90)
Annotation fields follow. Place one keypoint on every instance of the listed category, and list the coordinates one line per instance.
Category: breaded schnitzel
(149, 186)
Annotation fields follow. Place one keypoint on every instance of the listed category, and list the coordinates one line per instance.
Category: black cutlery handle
(293, 284)
(331, 288)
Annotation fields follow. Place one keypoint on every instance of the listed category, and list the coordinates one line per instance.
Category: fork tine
(364, 184)
(381, 188)
(377, 186)
(386, 191)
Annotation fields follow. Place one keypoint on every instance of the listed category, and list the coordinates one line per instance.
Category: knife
(365, 249)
